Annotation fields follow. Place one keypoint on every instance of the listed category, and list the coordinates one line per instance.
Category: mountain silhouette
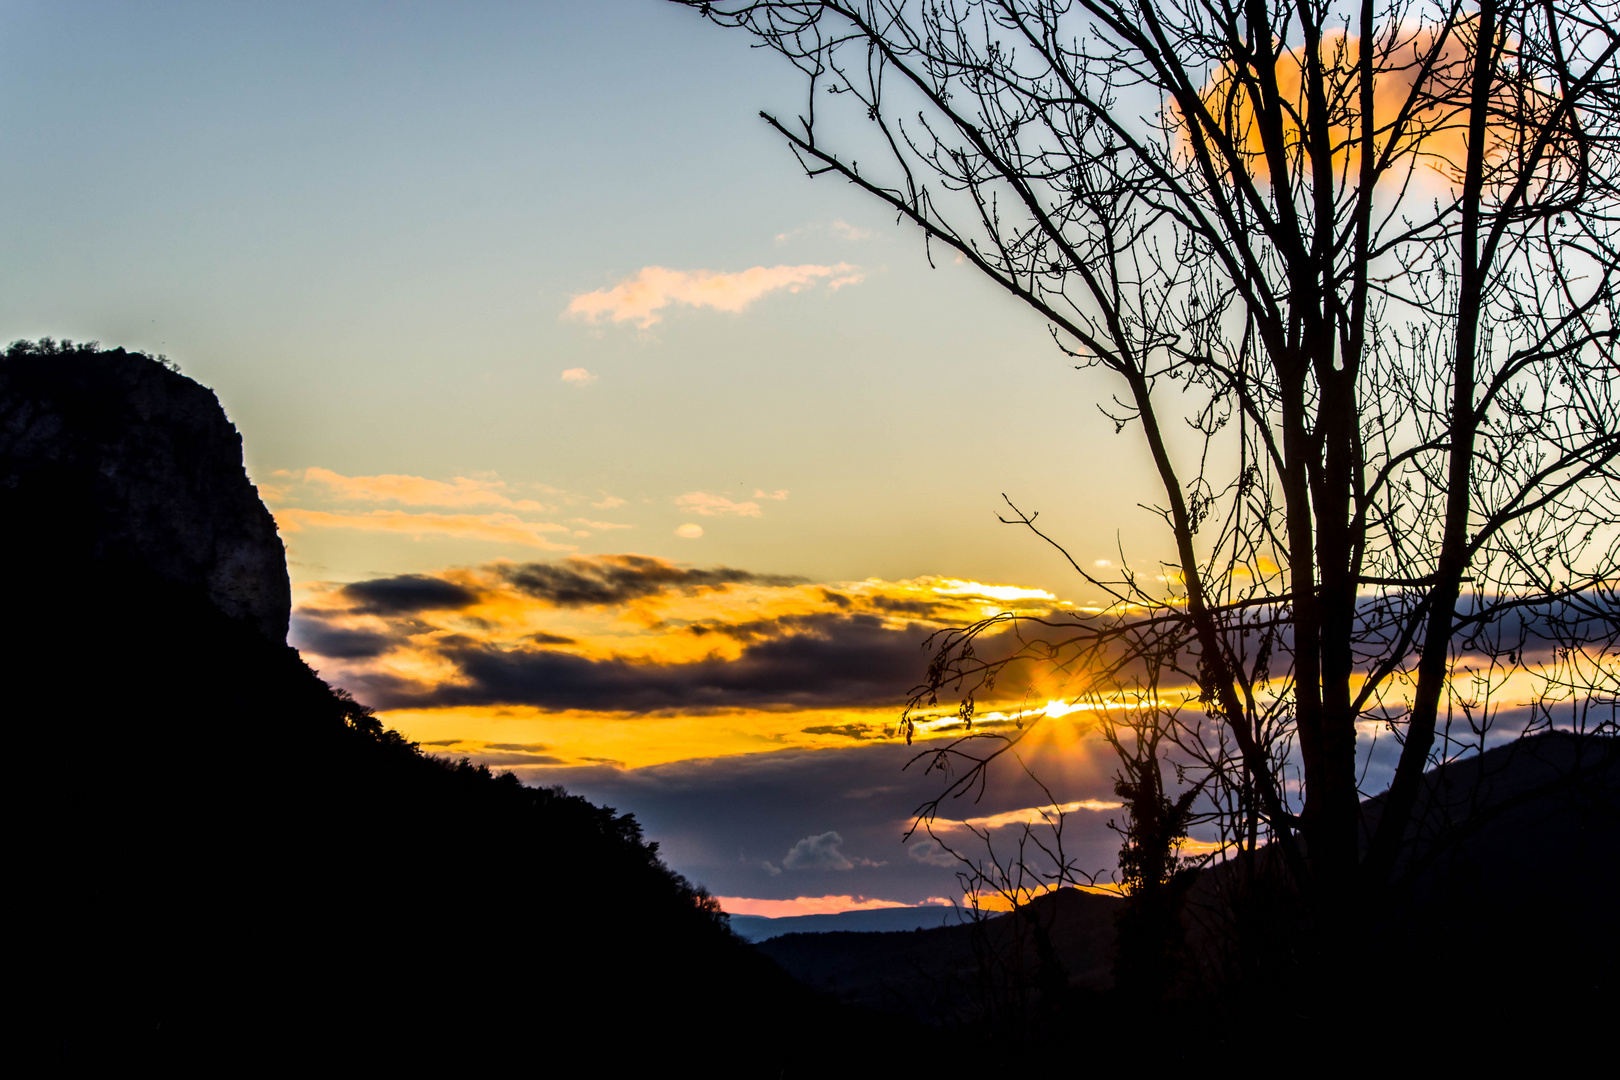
(224, 861)
(1506, 893)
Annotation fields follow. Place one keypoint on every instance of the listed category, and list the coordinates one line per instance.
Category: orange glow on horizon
(809, 905)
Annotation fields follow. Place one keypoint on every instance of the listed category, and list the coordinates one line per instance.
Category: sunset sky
(606, 446)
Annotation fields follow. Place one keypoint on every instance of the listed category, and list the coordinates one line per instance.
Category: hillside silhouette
(224, 859)
(1506, 901)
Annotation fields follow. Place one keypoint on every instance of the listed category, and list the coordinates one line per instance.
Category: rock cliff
(111, 459)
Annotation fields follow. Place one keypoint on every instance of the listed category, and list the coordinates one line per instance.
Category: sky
(606, 446)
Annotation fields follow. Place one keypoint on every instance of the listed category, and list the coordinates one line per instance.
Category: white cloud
(778, 495)
(653, 288)
(818, 853)
(689, 531)
(578, 376)
(930, 853)
(1032, 815)
(701, 502)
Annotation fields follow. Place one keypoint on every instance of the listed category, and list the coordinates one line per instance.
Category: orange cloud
(700, 502)
(411, 490)
(802, 905)
(578, 376)
(495, 528)
(640, 298)
(1436, 130)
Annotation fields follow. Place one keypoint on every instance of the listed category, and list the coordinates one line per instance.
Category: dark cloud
(407, 593)
(513, 759)
(849, 731)
(311, 634)
(896, 606)
(833, 660)
(602, 580)
(540, 637)
(519, 747)
(755, 629)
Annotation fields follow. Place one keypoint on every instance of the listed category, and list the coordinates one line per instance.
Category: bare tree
(1366, 251)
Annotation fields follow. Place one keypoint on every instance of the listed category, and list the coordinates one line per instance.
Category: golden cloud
(1435, 130)
(654, 288)
(494, 528)
(407, 490)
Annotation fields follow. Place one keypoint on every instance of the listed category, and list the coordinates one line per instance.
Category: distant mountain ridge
(1515, 856)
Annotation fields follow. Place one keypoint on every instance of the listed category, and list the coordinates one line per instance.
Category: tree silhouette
(1366, 252)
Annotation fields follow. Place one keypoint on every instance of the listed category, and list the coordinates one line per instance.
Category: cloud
(499, 753)
(540, 637)
(578, 376)
(482, 758)
(1029, 815)
(802, 905)
(406, 594)
(689, 531)
(609, 502)
(778, 495)
(404, 490)
(858, 732)
(844, 229)
(930, 853)
(863, 792)
(818, 853)
(495, 528)
(640, 298)
(602, 580)
(587, 523)
(311, 634)
(837, 661)
(1437, 127)
(701, 502)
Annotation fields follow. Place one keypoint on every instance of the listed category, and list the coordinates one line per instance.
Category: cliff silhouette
(225, 860)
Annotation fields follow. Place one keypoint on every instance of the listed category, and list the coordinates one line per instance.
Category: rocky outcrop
(112, 463)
